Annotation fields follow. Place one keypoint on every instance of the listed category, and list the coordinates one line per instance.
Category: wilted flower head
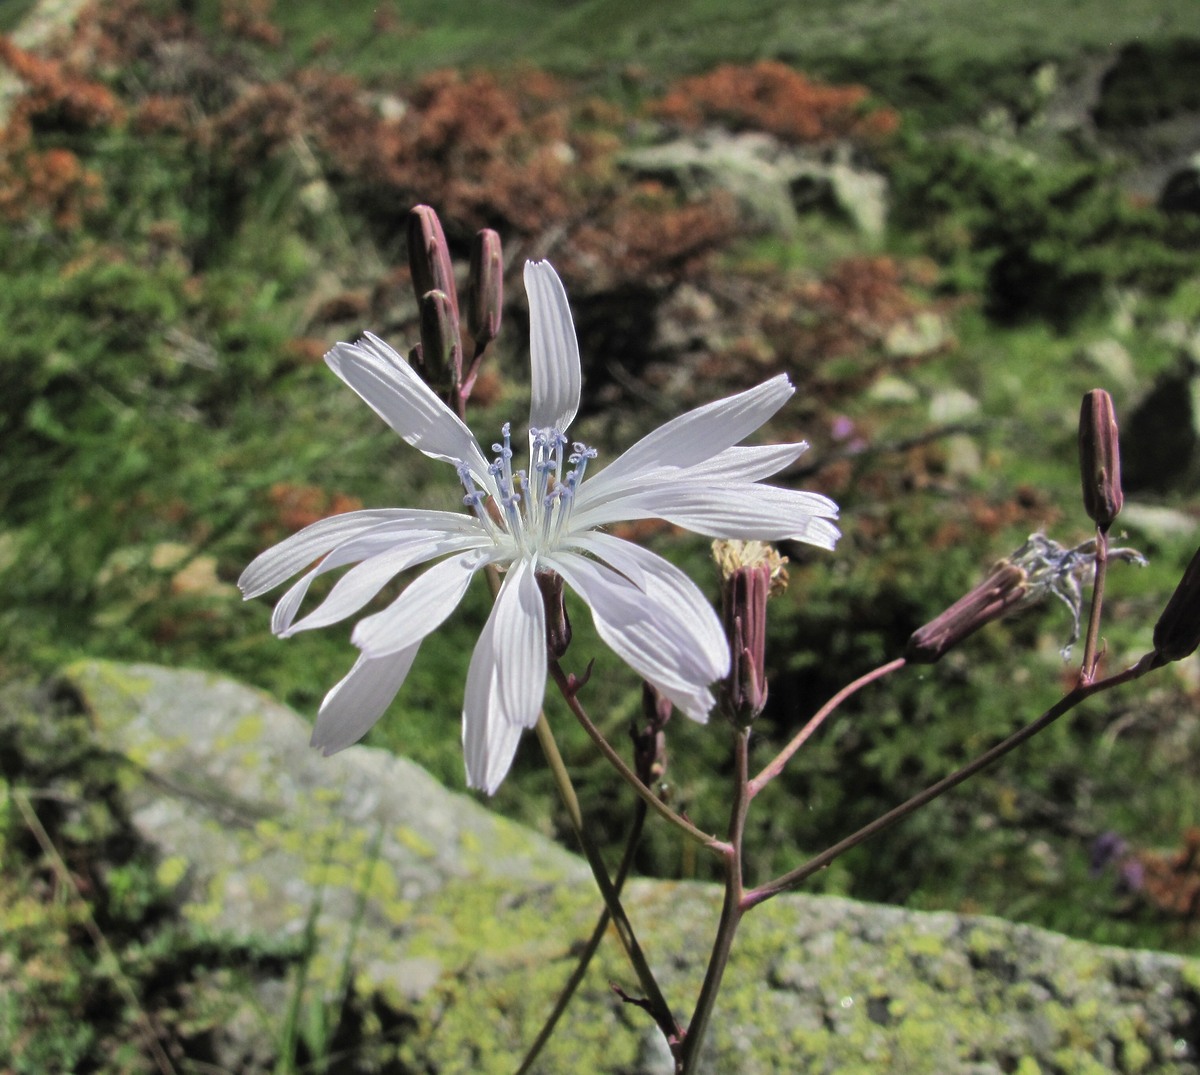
(751, 571)
(1039, 568)
(543, 518)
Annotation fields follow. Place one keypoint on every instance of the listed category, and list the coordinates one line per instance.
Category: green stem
(794, 877)
(590, 948)
(732, 909)
(656, 1003)
(568, 690)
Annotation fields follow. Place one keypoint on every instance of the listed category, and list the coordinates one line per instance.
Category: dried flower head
(751, 571)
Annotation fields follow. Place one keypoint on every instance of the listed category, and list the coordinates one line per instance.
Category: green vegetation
(184, 236)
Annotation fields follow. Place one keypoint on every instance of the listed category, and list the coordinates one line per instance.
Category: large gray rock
(468, 923)
(771, 183)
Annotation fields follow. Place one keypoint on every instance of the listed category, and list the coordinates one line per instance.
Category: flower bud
(485, 288)
(750, 573)
(441, 348)
(558, 623)
(429, 256)
(1004, 587)
(649, 739)
(1100, 458)
(1177, 633)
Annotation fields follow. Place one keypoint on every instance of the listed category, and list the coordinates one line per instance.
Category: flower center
(533, 507)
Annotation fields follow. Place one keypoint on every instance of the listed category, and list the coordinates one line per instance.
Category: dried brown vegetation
(771, 96)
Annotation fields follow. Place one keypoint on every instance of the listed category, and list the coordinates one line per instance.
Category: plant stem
(1087, 670)
(775, 767)
(1068, 702)
(590, 948)
(567, 688)
(656, 1003)
(732, 909)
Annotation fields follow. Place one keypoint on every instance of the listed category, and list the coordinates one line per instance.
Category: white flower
(546, 518)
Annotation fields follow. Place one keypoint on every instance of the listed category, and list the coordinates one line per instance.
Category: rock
(1181, 191)
(771, 182)
(1160, 440)
(925, 333)
(469, 922)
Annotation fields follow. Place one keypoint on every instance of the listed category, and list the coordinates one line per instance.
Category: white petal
(392, 389)
(420, 609)
(520, 616)
(696, 436)
(724, 511)
(553, 349)
(506, 682)
(360, 584)
(652, 636)
(359, 700)
(280, 562)
(672, 591)
(737, 464)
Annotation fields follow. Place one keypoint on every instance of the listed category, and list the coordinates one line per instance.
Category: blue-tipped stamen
(546, 492)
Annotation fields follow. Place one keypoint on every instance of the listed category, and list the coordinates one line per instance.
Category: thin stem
(772, 770)
(590, 948)
(1087, 670)
(569, 693)
(794, 877)
(732, 910)
(656, 1003)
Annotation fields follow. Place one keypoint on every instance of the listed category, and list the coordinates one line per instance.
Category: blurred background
(944, 223)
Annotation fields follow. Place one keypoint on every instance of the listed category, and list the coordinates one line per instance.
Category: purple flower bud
(649, 739)
(441, 348)
(429, 256)
(558, 623)
(485, 288)
(1004, 587)
(1100, 458)
(750, 573)
(1177, 633)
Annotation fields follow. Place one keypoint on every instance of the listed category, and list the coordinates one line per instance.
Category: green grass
(940, 54)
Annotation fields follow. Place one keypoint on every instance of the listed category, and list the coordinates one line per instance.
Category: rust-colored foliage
(54, 91)
(853, 307)
(646, 235)
(483, 153)
(50, 182)
(1165, 881)
(259, 124)
(294, 507)
(251, 20)
(770, 96)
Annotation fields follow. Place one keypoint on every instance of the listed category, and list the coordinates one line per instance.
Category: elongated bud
(1003, 588)
(429, 256)
(441, 347)
(1100, 458)
(558, 623)
(485, 288)
(750, 573)
(1177, 633)
(649, 738)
